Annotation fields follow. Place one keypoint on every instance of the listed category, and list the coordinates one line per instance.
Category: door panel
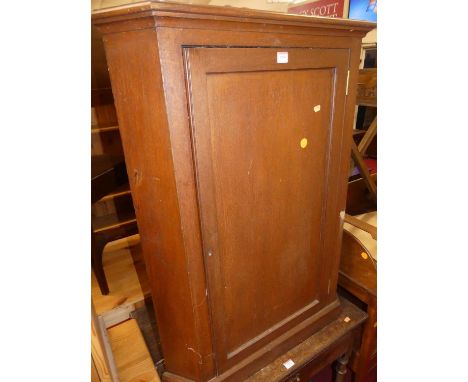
(262, 135)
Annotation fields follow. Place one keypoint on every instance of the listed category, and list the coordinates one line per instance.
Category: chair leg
(96, 263)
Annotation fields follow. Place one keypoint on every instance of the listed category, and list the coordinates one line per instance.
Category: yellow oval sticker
(303, 143)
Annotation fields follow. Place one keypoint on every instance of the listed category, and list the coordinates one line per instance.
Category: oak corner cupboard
(236, 127)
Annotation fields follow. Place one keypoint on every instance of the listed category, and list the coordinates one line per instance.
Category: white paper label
(282, 57)
(317, 108)
(288, 364)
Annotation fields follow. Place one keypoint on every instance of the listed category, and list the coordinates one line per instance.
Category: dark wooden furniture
(334, 342)
(358, 281)
(367, 87)
(359, 200)
(366, 96)
(233, 124)
(108, 174)
(102, 100)
(105, 136)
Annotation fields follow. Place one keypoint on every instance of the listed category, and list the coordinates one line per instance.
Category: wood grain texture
(132, 358)
(249, 162)
(321, 349)
(94, 372)
(357, 274)
(166, 142)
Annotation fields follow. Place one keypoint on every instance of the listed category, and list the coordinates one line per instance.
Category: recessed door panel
(262, 134)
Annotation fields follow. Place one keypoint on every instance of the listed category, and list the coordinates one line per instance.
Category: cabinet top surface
(168, 9)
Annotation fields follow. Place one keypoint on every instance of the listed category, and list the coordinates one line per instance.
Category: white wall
(371, 37)
(254, 4)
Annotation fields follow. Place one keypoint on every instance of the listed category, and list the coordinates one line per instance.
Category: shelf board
(113, 221)
(96, 129)
(120, 191)
(131, 355)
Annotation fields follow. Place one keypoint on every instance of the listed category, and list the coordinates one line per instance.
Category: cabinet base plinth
(274, 349)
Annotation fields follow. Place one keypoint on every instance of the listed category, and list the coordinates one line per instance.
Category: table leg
(341, 368)
(368, 338)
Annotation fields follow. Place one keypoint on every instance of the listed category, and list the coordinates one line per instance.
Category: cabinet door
(266, 145)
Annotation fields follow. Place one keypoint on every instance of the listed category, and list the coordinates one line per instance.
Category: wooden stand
(235, 124)
(333, 343)
(358, 280)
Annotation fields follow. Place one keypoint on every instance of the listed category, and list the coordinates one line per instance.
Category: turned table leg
(341, 368)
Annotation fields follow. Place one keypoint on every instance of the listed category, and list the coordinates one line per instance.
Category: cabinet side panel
(133, 62)
(340, 181)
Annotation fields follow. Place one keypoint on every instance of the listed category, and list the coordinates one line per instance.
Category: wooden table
(334, 342)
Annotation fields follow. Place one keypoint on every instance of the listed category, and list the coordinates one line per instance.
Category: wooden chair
(109, 179)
